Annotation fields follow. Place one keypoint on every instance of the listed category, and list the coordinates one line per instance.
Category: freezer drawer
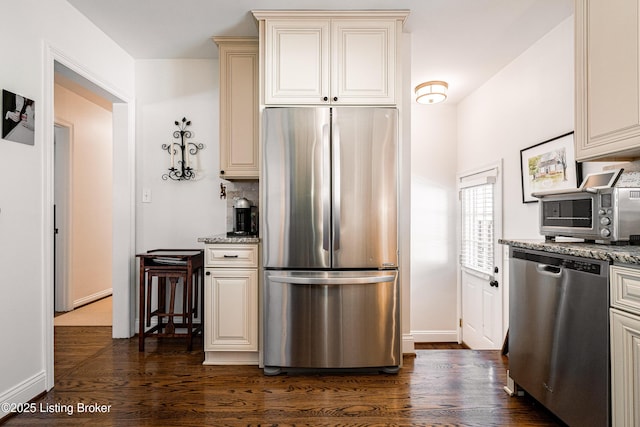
(345, 319)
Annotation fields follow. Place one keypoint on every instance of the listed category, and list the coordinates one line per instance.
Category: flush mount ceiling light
(431, 92)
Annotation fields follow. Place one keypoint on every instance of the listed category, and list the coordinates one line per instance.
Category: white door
(480, 276)
(62, 213)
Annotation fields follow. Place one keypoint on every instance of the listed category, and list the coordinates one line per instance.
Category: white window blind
(478, 227)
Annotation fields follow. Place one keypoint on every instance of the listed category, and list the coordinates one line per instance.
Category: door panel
(365, 187)
(294, 215)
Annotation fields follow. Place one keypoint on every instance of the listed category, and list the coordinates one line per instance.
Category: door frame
(497, 228)
(123, 200)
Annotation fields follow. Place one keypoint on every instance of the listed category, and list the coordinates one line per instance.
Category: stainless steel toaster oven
(605, 215)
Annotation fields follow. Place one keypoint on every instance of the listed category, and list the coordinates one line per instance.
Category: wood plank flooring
(166, 386)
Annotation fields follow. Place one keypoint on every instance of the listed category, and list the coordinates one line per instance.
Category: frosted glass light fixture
(431, 92)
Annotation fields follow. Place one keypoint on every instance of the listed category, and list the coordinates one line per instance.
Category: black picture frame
(549, 165)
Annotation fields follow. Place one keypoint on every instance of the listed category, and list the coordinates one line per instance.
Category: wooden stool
(174, 266)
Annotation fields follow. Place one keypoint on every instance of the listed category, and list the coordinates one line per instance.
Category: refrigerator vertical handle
(336, 186)
(326, 188)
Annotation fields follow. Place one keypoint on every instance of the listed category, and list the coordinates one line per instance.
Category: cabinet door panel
(625, 369)
(363, 61)
(231, 322)
(238, 109)
(607, 79)
(297, 61)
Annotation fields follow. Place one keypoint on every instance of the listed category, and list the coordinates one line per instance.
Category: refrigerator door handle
(326, 188)
(336, 186)
(330, 280)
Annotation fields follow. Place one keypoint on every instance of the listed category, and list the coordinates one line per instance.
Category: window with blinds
(477, 228)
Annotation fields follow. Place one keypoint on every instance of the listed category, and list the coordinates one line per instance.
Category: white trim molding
(22, 393)
(408, 344)
(435, 336)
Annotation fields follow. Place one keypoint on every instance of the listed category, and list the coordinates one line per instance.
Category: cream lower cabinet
(231, 304)
(625, 346)
(607, 79)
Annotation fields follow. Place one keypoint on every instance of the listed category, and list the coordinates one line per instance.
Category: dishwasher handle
(549, 270)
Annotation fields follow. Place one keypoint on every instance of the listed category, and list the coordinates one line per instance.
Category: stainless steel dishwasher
(559, 333)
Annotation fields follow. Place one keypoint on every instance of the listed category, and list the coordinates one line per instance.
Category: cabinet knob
(335, 98)
(493, 283)
(326, 98)
(208, 273)
(221, 172)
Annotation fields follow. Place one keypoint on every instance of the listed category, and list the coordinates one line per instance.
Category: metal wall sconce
(183, 150)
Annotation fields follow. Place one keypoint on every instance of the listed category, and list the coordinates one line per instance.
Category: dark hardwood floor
(166, 386)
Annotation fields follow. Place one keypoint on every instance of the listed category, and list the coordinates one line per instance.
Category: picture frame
(548, 166)
(18, 118)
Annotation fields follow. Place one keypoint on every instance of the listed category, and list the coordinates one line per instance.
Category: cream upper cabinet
(331, 58)
(239, 113)
(297, 62)
(607, 79)
(363, 61)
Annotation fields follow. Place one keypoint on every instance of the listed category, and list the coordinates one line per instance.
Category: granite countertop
(629, 254)
(223, 238)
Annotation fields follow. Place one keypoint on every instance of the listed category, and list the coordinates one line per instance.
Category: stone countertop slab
(628, 254)
(223, 238)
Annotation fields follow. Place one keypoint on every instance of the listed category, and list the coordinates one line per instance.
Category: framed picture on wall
(18, 114)
(548, 166)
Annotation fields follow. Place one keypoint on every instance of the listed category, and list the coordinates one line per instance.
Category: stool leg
(184, 300)
(141, 311)
(170, 329)
(149, 284)
(162, 300)
(188, 283)
(195, 294)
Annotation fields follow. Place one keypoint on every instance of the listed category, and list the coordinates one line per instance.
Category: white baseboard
(408, 346)
(435, 336)
(93, 297)
(231, 358)
(23, 392)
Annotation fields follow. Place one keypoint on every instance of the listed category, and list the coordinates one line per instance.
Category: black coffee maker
(245, 218)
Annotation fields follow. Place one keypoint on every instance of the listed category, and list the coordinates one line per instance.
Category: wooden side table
(171, 265)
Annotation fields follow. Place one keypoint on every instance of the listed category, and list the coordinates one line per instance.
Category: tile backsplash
(249, 189)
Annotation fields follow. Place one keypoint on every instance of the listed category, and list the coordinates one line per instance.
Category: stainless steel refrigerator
(331, 295)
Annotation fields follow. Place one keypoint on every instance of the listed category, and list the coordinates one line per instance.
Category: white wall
(90, 195)
(433, 222)
(529, 101)
(24, 38)
(180, 211)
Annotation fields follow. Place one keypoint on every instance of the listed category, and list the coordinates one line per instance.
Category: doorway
(83, 176)
(121, 196)
(480, 276)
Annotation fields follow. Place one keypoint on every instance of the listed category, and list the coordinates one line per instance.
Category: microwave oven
(604, 215)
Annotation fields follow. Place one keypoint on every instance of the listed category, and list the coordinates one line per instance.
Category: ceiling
(463, 42)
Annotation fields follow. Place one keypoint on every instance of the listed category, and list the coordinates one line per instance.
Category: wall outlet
(146, 195)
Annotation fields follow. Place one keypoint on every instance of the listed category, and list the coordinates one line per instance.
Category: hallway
(98, 313)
